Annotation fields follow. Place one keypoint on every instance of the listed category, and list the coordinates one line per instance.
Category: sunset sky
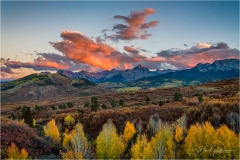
(95, 36)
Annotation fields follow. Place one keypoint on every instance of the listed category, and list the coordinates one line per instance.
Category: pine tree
(95, 104)
(28, 119)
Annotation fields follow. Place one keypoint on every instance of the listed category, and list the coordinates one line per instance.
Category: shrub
(87, 104)
(161, 103)
(69, 120)
(24, 137)
(147, 100)
(121, 102)
(69, 104)
(53, 107)
(80, 111)
(104, 106)
(37, 108)
(114, 104)
(177, 96)
(200, 98)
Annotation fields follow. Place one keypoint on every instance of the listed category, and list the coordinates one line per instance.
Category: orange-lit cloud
(135, 27)
(200, 53)
(82, 49)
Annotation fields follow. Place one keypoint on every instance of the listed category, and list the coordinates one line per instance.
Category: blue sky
(30, 26)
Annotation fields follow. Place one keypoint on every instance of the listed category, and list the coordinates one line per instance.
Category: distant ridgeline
(144, 78)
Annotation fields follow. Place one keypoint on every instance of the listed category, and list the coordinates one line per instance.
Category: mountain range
(201, 73)
(120, 76)
(140, 72)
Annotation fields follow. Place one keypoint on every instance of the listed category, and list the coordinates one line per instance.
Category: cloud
(131, 50)
(200, 53)
(6, 70)
(135, 27)
(76, 46)
(185, 45)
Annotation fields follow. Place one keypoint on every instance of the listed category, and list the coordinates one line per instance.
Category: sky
(96, 36)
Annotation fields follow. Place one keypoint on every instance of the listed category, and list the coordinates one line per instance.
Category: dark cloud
(185, 45)
(131, 50)
(135, 27)
(6, 70)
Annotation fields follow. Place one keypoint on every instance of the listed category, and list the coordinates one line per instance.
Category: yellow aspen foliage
(162, 143)
(34, 122)
(71, 155)
(226, 144)
(141, 149)
(14, 153)
(179, 134)
(66, 141)
(69, 120)
(76, 140)
(51, 130)
(22, 121)
(129, 131)
(199, 142)
(109, 144)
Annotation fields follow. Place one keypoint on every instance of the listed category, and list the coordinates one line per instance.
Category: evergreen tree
(28, 119)
(200, 98)
(177, 96)
(95, 104)
(121, 102)
(147, 100)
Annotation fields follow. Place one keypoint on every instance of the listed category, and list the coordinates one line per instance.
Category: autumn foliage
(51, 130)
(14, 153)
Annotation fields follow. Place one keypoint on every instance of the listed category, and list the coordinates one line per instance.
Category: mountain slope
(48, 86)
(201, 73)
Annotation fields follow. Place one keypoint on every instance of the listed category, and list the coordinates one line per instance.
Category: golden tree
(226, 144)
(14, 153)
(200, 141)
(179, 134)
(109, 144)
(141, 149)
(71, 155)
(129, 131)
(77, 141)
(51, 130)
(69, 120)
(162, 143)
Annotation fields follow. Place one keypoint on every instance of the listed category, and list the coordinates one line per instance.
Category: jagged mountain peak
(139, 67)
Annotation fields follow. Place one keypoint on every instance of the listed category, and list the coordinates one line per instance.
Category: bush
(147, 100)
(62, 106)
(114, 104)
(200, 98)
(81, 111)
(53, 107)
(37, 108)
(104, 106)
(69, 104)
(121, 102)
(161, 103)
(24, 137)
(87, 104)
(177, 96)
